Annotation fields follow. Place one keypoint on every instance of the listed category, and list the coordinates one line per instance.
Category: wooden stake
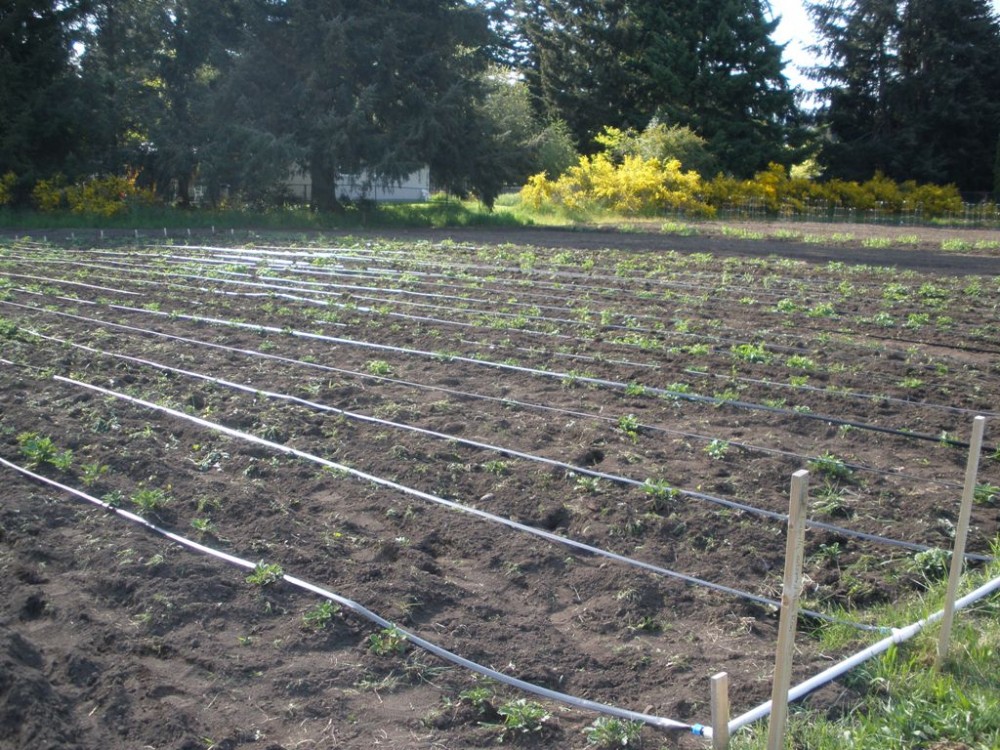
(798, 498)
(720, 711)
(961, 534)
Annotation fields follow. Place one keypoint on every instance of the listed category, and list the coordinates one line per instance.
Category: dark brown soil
(114, 637)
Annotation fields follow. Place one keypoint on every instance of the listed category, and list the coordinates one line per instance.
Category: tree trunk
(324, 189)
(184, 190)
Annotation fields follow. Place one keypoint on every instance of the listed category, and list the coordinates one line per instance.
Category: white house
(413, 188)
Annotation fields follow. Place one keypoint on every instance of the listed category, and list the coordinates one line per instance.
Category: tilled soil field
(566, 464)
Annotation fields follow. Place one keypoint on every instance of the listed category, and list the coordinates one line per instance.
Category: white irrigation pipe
(666, 572)
(582, 703)
(746, 405)
(571, 321)
(480, 268)
(832, 673)
(70, 283)
(227, 260)
(839, 530)
(506, 401)
(304, 253)
(360, 255)
(471, 312)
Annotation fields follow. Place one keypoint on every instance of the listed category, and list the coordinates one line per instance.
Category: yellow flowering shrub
(537, 192)
(633, 186)
(7, 183)
(107, 196)
(933, 200)
(49, 195)
(621, 180)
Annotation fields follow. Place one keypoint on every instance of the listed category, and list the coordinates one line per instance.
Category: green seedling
(497, 467)
(629, 424)
(800, 362)
(756, 353)
(40, 450)
(609, 732)
(203, 525)
(265, 574)
(91, 474)
(320, 616)
(386, 642)
(635, 389)
(932, 564)
(829, 465)
(661, 494)
(523, 716)
(480, 697)
(717, 449)
(379, 367)
(986, 494)
(149, 499)
(830, 500)
(590, 485)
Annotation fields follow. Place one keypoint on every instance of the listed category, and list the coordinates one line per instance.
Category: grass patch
(434, 213)
(898, 701)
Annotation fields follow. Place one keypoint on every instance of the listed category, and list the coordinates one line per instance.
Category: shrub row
(105, 195)
(635, 185)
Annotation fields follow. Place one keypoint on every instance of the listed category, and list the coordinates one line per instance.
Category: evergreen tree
(342, 87)
(996, 174)
(860, 38)
(151, 68)
(948, 103)
(719, 72)
(582, 63)
(40, 118)
(118, 68)
(912, 89)
(705, 64)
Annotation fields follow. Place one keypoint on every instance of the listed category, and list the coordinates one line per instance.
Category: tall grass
(434, 213)
(900, 702)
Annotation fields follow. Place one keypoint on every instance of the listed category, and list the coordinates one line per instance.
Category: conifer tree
(708, 65)
(343, 87)
(40, 114)
(912, 88)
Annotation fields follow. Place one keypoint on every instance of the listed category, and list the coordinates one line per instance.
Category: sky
(796, 29)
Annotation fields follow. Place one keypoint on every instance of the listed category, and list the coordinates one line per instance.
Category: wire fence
(982, 215)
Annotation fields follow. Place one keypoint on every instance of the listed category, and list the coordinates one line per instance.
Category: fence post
(961, 533)
(720, 711)
(794, 545)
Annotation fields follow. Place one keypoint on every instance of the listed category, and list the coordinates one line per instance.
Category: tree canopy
(234, 94)
(911, 88)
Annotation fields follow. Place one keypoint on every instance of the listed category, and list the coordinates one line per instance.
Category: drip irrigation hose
(502, 450)
(714, 401)
(582, 357)
(467, 394)
(68, 282)
(450, 504)
(716, 339)
(367, 614)
(306, 253)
